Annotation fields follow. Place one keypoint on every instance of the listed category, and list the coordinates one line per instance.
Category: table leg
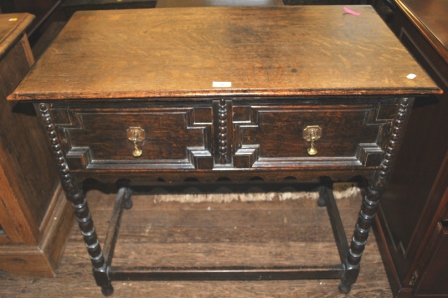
(76, 196)
(127, 193)
(88, 232)
(359, 239)
(321, 199)
(370, 202)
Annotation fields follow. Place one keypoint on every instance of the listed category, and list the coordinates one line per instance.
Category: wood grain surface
(300, 50)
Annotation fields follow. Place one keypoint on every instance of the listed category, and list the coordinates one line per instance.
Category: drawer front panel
(273, 136)
(172, 138)
(225, 134)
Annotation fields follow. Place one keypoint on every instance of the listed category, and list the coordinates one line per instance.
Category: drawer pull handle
(312, 133)
(136, 134)
(137, 152)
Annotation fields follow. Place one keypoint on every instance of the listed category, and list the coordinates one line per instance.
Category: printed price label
(222, 84)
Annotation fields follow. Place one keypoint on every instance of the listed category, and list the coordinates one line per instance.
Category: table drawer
(170, 138)
(225, 134)
(278, 136)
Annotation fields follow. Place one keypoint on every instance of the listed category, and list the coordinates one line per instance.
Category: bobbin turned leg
(372, 196)
(76, 196)
(88, 232)
(360, 235)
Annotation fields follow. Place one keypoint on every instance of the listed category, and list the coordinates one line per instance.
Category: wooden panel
(10, 234)
(415, 180)
(184, 57)
(276, 134)
(430, 19)
(408, 226)
(173, 138)
(24, 259)
(25, 155)
(46, 11)
(19, 222)
(12, 27)
(432, 278)
(42, 259)
(353, 135)
(33, 214)
(428, 121)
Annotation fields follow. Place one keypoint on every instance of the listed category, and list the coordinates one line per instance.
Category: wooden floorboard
(154, 233)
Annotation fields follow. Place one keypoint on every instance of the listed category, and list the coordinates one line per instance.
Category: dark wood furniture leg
(76, 196)
(372, 196)
(321, 202)
(85, 223)
(127, 204)
(359, 239)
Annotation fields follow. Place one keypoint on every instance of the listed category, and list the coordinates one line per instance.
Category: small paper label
(222, 84)
(411, 76)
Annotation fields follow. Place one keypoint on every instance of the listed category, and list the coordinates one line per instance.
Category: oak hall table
(230, 92)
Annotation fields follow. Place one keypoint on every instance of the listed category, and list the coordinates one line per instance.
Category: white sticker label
(222, 84)
(411, 76)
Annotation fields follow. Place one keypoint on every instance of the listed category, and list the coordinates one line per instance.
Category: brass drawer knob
(312, 133)
(136, 134)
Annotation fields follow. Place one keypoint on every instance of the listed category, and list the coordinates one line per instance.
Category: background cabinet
(45, 11)
(412, 217)
(35, 219)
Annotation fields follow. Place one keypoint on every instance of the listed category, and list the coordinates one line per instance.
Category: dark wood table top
(261, 51)
(431, 17)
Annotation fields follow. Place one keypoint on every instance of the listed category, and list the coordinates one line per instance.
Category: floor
(287, 230)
